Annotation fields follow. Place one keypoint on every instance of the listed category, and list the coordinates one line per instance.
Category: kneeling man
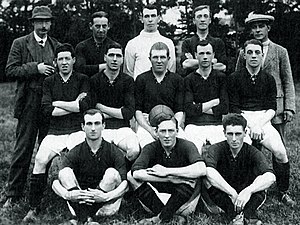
(93, 174)
(169, 165)
(238, 172)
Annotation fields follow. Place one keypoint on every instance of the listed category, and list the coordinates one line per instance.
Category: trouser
(30, 124)
(224, 202)
(180, 194)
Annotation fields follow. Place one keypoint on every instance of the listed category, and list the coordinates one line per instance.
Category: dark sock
(282, 173)
(148, 197)
(38, 183)
(182, 193)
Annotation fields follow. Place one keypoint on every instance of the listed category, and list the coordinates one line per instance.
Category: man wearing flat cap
(30, 61)
(168, 165)
(276, 63)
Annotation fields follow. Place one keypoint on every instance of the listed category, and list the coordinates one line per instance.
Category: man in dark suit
(30, 60)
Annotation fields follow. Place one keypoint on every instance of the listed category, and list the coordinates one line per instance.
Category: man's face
(159, 60)
(93, 126)
(235, 136)
(260, 31)
(167, 133)
(205, 56)
(114, 58)
(99, 27)
(202, 19)
(150, 20)
(41, 27)
(65, 62)
(253, 55)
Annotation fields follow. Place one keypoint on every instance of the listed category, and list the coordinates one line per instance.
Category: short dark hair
(234, 119)
(172, 118)
(113, 45)
(150, 7)
(98, 14)
(200, 7)
(160, 46)
(254, 42)
(65, 47)
(204, 43)
(93, 112)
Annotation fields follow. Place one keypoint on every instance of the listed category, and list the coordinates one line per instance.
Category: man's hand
(45, 69)
(81, 96)
(241, 200)
(157, 170)
(81, 196)
(188, 55)
(256, 133)
(98, 195)
(288, 116)
(233, 196)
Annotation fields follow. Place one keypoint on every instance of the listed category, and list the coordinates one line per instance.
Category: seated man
(93, 174)
(157, 86)
(252, 92)
(64, 99)
(206, 99)
(238, 172)
(113, 94)
(170, 165)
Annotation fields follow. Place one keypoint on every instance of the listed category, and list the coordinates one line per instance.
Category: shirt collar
(266, 43)
(148, 34)
(38, 39)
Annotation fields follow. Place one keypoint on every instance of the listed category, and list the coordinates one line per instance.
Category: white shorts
(57, 143)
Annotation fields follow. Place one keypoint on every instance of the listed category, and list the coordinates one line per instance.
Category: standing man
(64, 100)
(206, 99)
(275, 62)
(136, 60)
(252, 92)
(113, 94)
(170, 165)
(30, 60)
(93, 174)
(238, 172)
(157, 86)
(90, 52)
(202, 19)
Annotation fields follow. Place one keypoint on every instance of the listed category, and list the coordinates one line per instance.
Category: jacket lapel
(31, 46)
(270, 55)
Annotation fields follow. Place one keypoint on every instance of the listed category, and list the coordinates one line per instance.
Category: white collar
(149, 34)
(38, 39)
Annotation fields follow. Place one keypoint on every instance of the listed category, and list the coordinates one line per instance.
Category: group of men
(103, 107)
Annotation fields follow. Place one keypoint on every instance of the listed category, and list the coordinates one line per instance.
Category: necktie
(41, 42)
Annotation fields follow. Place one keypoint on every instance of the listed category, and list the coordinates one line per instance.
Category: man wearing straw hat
(30, 61)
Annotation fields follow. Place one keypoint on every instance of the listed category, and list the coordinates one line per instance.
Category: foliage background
(72, 18)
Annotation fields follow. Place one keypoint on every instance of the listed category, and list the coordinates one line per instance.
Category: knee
(65, 174)
(41, 159)
(133, 150)
(281, 156)
(112, 175)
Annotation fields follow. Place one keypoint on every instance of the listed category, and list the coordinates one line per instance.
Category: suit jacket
(277, 64)
(22, 65)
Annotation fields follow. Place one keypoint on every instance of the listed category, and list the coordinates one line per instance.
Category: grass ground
(54, 209)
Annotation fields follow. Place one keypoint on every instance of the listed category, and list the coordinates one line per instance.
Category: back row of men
(261, 85)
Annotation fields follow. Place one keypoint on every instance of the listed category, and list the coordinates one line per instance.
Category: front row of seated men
(66, 96)
(93, 175)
